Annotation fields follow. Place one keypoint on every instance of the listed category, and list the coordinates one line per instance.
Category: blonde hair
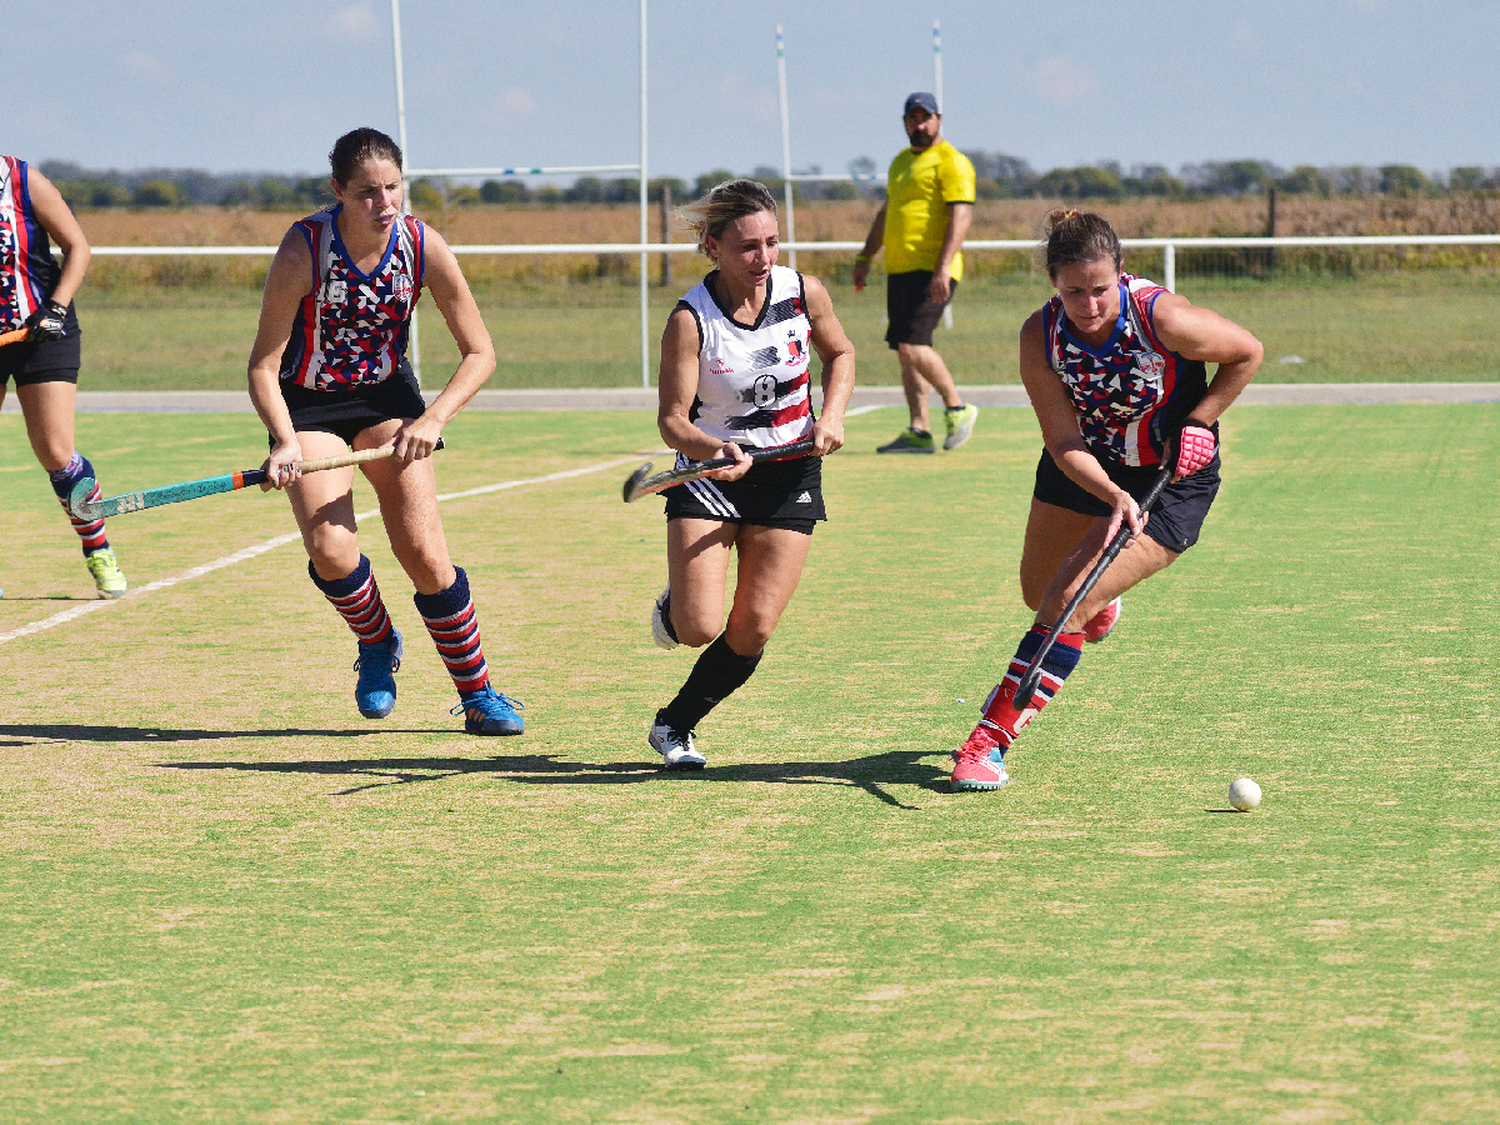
(722, 205)
(1077, 237)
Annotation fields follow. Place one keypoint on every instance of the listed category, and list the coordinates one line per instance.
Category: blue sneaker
(375, 693)
(489, 712)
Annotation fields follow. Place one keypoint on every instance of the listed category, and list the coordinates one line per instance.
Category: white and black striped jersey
(753, 383)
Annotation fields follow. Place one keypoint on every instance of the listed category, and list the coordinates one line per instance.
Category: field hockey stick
(85, 509)
(1033, 674)
(14, 336)
(642, 483)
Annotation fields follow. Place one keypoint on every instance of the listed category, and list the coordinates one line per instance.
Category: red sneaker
(1102, 623)
(981, 763)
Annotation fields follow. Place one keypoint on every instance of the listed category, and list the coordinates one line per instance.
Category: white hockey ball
(1244, 794)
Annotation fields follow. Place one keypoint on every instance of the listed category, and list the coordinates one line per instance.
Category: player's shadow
(871, 774)
(23, 734)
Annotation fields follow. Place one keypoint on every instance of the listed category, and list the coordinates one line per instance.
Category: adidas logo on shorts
(805, 498)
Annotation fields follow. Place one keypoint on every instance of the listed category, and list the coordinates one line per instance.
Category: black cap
(921, 100)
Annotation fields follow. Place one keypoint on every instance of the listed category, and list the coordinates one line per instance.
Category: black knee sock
(720, 671)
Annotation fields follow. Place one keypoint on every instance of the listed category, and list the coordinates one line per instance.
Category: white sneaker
(659, 631)
(676, 748)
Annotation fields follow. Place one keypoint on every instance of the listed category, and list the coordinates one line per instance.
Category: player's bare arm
(1201, 334)
(677, 386)
(836, 351)
(286, 284)
(1058, 420)
(450, 292)
(61, 225)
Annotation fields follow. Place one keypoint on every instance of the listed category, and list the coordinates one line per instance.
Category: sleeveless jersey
(1131, 392)
(352, 327)
(28, 272)
(753, 385)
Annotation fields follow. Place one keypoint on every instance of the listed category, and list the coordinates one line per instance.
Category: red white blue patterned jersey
(352, 327)
(753, 383)
(1132, 392)
(28, 272)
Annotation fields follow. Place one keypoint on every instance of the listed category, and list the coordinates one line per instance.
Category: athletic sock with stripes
(357, 598)
(719, 672)
(454, 624)
(90, 532)
(1001, 718)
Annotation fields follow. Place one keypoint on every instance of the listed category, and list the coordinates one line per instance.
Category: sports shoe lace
(394, 659)
(486, 702)
(977, 746)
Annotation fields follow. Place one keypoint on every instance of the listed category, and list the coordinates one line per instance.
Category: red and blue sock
(357, 598)
(90, 532)
(453, 622)
(1001, 718)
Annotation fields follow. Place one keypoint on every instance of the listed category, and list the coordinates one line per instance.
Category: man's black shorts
(910, 309)
(1180, 511)
(347, 411)
(785, 494)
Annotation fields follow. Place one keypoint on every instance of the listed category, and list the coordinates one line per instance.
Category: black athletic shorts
(909, 307)
(786, 494)
(349, 410)
(1180, 510)
(42, 361)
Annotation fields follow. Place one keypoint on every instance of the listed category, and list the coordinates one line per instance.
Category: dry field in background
(834, 221)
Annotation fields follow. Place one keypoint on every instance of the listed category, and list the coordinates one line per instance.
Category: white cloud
(1064, 82)
(517, 102)
(138, 64)
(358, 21)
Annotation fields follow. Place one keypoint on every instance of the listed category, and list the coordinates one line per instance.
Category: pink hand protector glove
(1195, 448)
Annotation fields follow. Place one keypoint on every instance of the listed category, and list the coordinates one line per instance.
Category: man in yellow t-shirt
(922, 223)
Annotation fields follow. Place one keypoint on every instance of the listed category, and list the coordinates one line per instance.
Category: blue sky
(268, 85)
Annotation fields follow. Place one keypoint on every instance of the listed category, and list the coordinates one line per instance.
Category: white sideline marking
(72, 613)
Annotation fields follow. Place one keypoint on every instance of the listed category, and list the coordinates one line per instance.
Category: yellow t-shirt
(919, 189)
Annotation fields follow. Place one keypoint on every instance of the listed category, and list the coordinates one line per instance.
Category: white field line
(72, 613)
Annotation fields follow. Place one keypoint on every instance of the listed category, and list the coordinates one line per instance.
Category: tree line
(1000, 176)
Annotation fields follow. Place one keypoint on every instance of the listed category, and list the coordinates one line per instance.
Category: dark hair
(724, 203)
(353, 149)
(1077, 237)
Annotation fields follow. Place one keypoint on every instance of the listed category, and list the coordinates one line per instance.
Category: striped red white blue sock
(1001, 718)
(357, 599)
(453, 622)
(91, 534)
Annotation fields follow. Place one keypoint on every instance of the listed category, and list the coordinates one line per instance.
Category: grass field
(225, 897)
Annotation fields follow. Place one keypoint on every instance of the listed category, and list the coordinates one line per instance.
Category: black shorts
(1180, 511)
(784, 494)
(42, 361)
(349, 410)
(910, 309)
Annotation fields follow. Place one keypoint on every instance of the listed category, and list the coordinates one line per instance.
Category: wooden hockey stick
(642, 483)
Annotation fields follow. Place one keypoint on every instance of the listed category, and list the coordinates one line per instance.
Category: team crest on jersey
(402, 285)
(336, 292)
(1151, 367)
